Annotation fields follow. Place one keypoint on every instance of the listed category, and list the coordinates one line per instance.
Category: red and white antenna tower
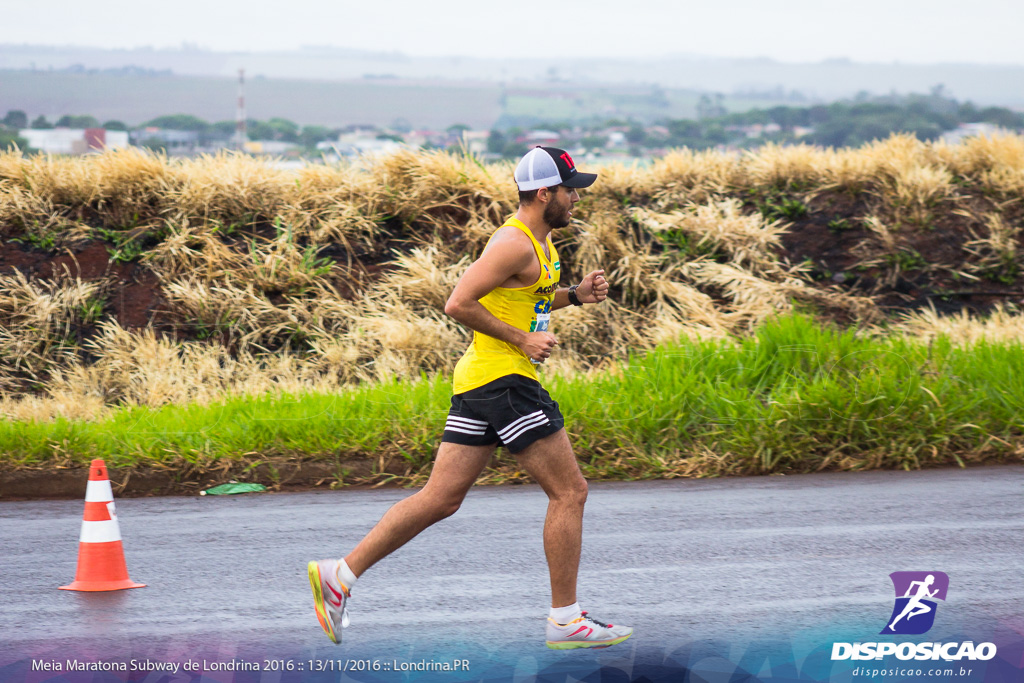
(241, 136)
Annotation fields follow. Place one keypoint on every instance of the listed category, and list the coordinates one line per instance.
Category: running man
(914, 606)
(506, 297)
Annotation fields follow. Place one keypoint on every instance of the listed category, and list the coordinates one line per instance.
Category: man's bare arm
(593, 289)
(506, 258)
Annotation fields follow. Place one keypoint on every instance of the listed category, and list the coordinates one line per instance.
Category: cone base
(97, 586)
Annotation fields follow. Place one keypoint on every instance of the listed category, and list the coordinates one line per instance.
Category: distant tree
(969, 113)
(311, 135)
(716, 134)
(683, 128)
(708, 108)
(937, 101)
(223, 129)
(40, 123)
(559, 126)
(817, 114)
(1002, 117)
(284, 130)
(594, 142)
(496, 141)
(457, 129)
(15, 119)
(514, 150)
(636, 134)
(154, 145)
(178, 122)
(745, 118)
(85, 121)
(114, 125)
(259, 130)
(10, 139)
(787, 117)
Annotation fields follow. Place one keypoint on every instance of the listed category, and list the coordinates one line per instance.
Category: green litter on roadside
(232, 488)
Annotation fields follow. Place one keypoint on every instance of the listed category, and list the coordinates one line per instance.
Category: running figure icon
(915, 606)
(917, 595)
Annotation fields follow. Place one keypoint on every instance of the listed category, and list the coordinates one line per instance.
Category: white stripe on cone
(98, 491)
(100, 532)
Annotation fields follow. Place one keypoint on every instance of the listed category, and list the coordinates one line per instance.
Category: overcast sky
(912, 31)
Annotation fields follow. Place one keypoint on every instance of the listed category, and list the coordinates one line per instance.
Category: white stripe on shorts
(513, 426)
(459, 426)
(466, 422)
(541, 420)
(464, 431)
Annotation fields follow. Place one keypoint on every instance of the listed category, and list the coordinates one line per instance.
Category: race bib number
(540, 324)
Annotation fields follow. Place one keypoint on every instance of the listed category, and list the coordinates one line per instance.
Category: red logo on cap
(568, 160)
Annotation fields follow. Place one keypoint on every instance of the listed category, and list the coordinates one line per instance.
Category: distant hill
(136, 98)
(136, 95)
(1000, 85)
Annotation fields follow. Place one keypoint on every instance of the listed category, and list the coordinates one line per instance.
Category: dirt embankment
(128, 279)
(70, 482)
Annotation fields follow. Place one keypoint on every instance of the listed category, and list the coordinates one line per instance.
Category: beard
(556, 215)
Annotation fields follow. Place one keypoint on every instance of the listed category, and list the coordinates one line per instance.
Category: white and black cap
(547, 167)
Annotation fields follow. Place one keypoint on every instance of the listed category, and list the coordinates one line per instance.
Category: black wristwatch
(573, 299)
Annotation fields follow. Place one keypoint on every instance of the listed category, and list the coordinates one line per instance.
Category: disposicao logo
(914, 614)
(916, 593)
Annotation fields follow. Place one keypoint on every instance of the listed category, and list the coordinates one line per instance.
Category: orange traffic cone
(101, 564)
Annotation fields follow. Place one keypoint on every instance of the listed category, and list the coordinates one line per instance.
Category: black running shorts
(513, 411)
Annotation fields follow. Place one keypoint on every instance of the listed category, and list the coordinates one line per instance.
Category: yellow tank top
(528, 308)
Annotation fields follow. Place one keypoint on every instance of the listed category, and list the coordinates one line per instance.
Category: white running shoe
(330, 597)
(585, 632)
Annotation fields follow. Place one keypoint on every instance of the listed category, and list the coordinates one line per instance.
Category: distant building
(475, 141)
(616, 138)
(970, 130)
(174, 141)
(542, 137)
(74, 141)
(421, 138)
(357, 144)
(277, 148)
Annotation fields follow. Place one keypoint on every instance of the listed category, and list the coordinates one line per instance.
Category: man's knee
(443, 504)
(449, 507)
(582, 489)
(574, 493)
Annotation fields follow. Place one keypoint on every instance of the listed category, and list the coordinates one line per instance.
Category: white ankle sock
(345, 575)
(563, 615)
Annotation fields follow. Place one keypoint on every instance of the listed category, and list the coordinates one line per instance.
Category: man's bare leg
(552, 463)
(455, 469)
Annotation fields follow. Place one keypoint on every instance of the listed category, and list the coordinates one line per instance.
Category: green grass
(796, 397)
(357, 422)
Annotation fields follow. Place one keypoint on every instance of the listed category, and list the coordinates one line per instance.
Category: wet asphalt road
(682, 561)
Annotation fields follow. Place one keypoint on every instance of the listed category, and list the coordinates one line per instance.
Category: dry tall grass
(1003, 325)
(37, 321)
(331, 275)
